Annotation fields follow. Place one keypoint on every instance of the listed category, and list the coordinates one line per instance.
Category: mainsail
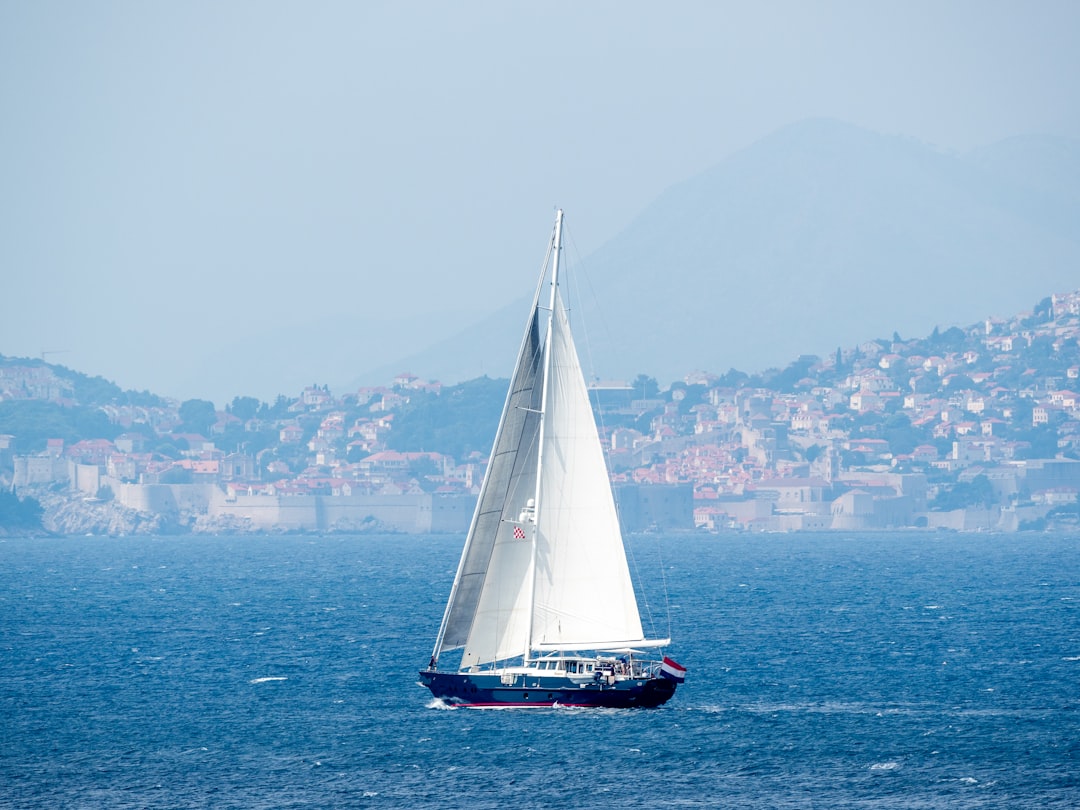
(544, 566)
(487, 610)
(583, 598)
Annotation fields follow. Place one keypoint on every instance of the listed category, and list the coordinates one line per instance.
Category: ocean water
(899, 671)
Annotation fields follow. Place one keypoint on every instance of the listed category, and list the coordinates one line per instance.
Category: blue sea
(913, 670)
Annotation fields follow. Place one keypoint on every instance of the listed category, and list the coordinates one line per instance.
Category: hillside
(813, 238)
(966, 428)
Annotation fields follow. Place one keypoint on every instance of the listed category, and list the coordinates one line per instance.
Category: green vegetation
(460, 421)
(198, 416)
(85, 390)
(19, 514)
(645, 387)
(977, 492)
(901, 436)
(787, 381)
(176, 475)
(34, 422)
(244, 407)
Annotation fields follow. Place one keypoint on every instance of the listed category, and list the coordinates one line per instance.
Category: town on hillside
(973, 429)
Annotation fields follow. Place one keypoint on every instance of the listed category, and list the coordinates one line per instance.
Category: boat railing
(632, 668)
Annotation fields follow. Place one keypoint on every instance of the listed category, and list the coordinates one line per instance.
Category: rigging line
(663, 582)
(641, 586)
(581, 268)
(577, 263)
(588, 350)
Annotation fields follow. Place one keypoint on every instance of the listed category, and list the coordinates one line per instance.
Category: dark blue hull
(490, 690)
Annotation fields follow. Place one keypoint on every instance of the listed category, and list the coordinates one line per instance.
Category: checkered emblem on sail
(519, 533)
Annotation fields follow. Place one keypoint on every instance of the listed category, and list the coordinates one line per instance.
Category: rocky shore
(70, 513)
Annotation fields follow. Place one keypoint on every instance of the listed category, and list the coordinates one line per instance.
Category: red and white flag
(672, 671)
(519, 533)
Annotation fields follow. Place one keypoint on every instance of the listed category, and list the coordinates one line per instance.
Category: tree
(463, 418)
(646, 386)
(785, 381)
(244, 408)
(962, 382)
(901, 436)
(34, 422)
(422, 467)
(733, 379)
(977, 492)
(278, 410)
(176, 475)
(198, 416)
(1043, 440)
(692, 395)
(926, 383)
(19, 513)
(168, 450)
(1043, 312)
(953, 338)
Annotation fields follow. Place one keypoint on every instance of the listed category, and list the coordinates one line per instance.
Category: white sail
(500, 623)
(488, 612)
(583, 596)
(544, 566)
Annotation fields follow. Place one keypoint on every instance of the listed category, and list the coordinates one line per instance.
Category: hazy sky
(208, 199)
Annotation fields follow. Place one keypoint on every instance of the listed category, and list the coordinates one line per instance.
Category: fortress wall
(30, 470)
(166, 498)
(85, 477)
(403, 513)
(964, 520)
(294, 513)
(452, 514)
(413, 514)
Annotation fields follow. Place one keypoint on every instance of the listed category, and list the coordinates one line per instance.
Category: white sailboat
(542, 606)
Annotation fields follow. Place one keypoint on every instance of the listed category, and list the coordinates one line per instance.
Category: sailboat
(542, 606)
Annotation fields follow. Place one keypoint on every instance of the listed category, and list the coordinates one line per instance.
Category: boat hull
(490, 690)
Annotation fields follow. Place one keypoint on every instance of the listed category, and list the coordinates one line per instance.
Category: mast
(555, 268)
(557, 251)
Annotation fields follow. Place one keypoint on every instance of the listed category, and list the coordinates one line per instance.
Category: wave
(269, 678)
(885, 766)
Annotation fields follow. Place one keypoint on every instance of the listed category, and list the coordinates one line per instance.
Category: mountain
(815, 237)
